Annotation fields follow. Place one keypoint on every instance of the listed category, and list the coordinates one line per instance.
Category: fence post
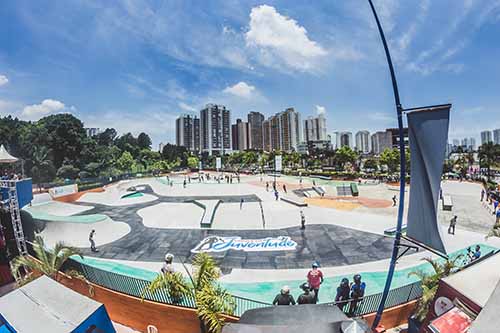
(410, 292)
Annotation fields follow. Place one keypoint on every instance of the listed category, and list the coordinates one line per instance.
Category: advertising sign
(221, 244)
(218, 163)
(277, 163)
(60, 191)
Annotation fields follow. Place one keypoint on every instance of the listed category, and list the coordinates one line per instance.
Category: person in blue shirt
(357, 292)
(477, 253)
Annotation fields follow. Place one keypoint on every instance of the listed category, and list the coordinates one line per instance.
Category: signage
(453, 321)
(218, 163)
(221, 244)
(60, 191)
(277, 163)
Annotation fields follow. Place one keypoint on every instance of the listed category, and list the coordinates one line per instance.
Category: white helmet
(169, 257)
(285, 290)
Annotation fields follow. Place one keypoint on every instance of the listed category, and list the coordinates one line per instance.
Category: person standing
(92, 242)
(168, 267)
(483, 192)
(284, 297)
(284, 188)
(315, 279)
(453, 223)
(498, 217)
(357, 292)
(307, 297)
(276, 195)
(342, 295)
(184, 183)
(495, 206)
(241, 203)
(267, 186)
(394, 202)
(302, 221)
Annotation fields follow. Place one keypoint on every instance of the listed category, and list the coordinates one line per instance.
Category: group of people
(347, 293)
(493, 201)
(10, 176)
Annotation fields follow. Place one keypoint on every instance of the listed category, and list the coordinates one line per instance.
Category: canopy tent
(5, 157)
(45, 306)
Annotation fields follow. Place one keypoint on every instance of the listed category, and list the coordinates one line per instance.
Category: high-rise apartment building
(496, 136)
(255, 122)
(282, 131)
(486, 137)
(240, 133)
(343, 139)
(266, 135)
(315, 128)
(187, 132)
(395, 136)
(363, 142)
(381, 141)
(215, 129)
(290, 129)
(92, 131)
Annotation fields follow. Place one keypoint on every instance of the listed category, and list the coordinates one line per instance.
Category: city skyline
(110, 65)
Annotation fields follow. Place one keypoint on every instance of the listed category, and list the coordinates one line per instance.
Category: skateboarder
(302, 221)
(92, 242)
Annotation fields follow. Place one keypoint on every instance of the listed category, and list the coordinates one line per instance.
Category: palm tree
(430, 282)
(47, 261)
(41, 161)
(211, 299)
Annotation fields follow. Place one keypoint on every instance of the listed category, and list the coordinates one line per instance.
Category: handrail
(137, 287)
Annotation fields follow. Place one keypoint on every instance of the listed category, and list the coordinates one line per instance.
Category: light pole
(402, 174)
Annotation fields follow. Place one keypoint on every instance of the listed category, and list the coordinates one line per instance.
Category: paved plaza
(164, 218)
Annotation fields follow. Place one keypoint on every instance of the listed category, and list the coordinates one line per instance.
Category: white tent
(45, 306)
(5, 157)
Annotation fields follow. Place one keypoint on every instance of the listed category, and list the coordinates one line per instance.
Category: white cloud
(320, 109)
(187, 107)
(282, 41)
(240, 89)
(48, 106)
(3, 80)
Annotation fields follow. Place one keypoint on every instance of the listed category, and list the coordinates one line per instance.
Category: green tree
(48, 261)
(64, 136)
(211, 299)
(345, 155)
(193, 162)
(390, 158)
(127, 142)
(42, 163)
(125, 162)
(371, 163)
(144, 141)
(489, 154)
(67, 171)
(430, 282)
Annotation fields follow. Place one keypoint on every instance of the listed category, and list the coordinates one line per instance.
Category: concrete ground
(344, 241)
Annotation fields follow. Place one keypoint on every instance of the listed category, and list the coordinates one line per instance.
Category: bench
(447, 202)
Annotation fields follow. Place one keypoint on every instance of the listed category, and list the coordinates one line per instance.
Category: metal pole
(402, 176)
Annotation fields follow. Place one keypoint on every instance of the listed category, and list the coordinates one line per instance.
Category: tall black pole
(402, 175)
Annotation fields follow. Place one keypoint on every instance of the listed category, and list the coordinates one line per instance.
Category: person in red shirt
(315, 279)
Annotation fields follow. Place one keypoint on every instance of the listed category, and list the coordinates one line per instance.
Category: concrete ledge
(294, 202)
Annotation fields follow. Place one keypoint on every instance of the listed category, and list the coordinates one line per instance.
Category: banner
(218, 163)
(221, 244)
(60, 191)
(277, 163)
(428, 133)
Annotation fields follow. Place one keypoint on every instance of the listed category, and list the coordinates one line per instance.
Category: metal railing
(138, 287)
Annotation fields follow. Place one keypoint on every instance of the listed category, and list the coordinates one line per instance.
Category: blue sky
(136, 65)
